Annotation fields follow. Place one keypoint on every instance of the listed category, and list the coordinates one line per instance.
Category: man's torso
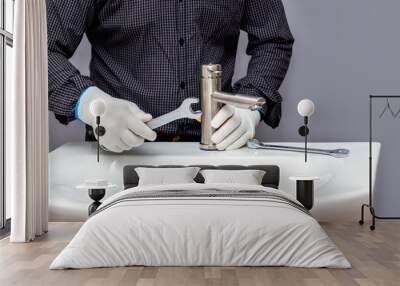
(150, 52)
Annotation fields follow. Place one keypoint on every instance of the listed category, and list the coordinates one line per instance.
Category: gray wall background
(344, 51)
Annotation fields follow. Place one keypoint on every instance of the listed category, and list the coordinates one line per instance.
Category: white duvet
(200, 231)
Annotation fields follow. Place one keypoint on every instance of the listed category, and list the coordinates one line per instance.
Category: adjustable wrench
(337, 153)
(183, 111)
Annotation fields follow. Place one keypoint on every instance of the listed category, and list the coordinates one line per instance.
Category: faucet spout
(239, 100)
(212, 99)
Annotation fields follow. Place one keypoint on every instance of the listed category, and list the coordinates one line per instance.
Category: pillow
(166, 176)
(243, 177)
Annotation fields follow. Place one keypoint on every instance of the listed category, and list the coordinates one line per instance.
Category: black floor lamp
(305, 185)
(97, 109)
(370, 201)
(305, 108)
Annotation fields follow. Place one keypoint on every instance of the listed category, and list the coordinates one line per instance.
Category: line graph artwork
(389, 109)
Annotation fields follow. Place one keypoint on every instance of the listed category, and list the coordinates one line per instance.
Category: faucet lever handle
(218, 74)
(211, 71)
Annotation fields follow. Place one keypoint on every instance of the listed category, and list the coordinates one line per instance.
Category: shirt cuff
(75, 109)
(63, 99)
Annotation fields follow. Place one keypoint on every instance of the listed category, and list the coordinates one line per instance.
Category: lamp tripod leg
(305, 138)
(361, 221)
(98, 137)
(372, 226)
(98, 144)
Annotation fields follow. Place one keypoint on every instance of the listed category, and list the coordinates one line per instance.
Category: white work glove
(123, 121)
(234, 126)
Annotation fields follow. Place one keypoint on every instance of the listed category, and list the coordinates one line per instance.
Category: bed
(198, 224)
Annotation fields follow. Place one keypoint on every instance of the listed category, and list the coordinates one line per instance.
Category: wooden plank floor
(375, 257)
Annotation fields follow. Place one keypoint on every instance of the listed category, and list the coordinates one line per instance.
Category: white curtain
(27, 124)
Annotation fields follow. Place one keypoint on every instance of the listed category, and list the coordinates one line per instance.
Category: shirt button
(182, 85)
(181, 41)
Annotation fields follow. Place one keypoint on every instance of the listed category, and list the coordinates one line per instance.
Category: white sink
(342, 188)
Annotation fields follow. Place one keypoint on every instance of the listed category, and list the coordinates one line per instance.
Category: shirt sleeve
(270, 47)
(67, 23)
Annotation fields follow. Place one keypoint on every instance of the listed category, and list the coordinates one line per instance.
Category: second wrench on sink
(185, 110)
(337, 153)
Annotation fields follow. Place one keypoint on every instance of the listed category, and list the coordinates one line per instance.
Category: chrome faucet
(212, 99)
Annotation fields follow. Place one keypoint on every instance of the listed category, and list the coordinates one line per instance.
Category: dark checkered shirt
(150, 52)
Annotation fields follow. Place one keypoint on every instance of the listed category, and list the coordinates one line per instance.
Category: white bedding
(200, 231)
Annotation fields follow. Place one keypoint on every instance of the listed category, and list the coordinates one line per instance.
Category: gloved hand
(123, 121)
(235, 127)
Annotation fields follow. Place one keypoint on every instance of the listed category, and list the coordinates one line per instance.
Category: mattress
(201, 225)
